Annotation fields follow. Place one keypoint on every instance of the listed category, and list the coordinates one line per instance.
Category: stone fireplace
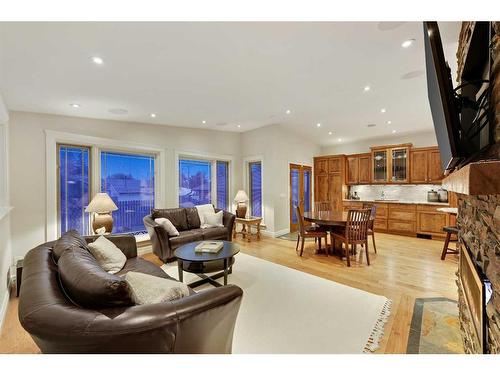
(479, 218)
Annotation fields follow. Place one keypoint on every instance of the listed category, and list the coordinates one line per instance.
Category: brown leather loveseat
(202, 322)
(187, 222)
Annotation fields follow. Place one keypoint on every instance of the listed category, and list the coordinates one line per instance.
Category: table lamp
(241, 199)
(102, 206)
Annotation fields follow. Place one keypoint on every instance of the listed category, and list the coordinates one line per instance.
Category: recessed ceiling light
(288, 111)
(153, 115)
(389, 122)
(318, 125)
(239, 126)
(340, 139)
(75, 105)
(382, 110)
(97, 60)
(204, 122)
(367, 88)
(407, 43)
(394, 131)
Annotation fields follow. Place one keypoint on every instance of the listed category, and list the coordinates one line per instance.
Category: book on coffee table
(209, 247)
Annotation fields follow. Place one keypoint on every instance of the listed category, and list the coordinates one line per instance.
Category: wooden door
(364, 169)
(335, 183)
(418, 166)
(352, 170)
(435, 171)
(320, 166)
(300, 192)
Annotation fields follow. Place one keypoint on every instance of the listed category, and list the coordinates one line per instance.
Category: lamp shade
(241, 196)
(101, 203)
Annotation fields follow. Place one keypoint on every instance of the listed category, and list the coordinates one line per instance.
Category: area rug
(435, 328)
(292, 236)
(288, 311)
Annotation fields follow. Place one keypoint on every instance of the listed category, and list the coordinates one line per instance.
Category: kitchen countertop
(446, 204)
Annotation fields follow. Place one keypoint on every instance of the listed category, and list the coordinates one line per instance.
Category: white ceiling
(245, 74)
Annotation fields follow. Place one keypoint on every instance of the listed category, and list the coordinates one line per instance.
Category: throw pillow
(202, 209)
(147, 289)
(213, 220)
(167, 224)
(88, 285)
(107, 254)
(68, 240)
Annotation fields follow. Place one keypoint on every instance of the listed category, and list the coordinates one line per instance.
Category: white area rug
(288, 311)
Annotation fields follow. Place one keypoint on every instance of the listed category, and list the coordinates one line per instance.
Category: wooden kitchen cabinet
(364, 166)
(430, 221)
(336, 187)
(352, 170)
(391, 164)
(358, 169)
(320, 166)
(426, 166)
(329, 184)
(321, 184)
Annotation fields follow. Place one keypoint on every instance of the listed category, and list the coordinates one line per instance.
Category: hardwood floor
(405, 268)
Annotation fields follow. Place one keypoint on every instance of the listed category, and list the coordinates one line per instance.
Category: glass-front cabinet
(379, 163)
(391, 164)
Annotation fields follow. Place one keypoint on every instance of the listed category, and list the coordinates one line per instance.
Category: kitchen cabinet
(430, 221)
(391, 164)
(329, 184)
(426, 165)
(402, 218)
(358, 169)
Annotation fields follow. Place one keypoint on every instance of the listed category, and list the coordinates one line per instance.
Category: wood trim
(479, 178)
(401, 145)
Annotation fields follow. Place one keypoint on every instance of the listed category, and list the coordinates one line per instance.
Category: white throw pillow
(109, 257)
(202, 209)
(213, 220)
(167, 224)
(147, 289)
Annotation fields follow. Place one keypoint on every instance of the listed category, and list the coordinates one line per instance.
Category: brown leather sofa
(199, 323)
(187, 222)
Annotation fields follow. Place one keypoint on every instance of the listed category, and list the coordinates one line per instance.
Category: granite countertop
(446, 204)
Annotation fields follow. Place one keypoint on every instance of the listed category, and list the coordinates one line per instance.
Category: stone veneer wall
(479, 216)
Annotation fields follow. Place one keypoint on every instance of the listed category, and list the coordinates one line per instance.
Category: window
(222, 185)
(194, 182)
(129, 179)
(255, 185)
(74, 193)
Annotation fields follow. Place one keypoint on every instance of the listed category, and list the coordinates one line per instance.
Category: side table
(246, 230)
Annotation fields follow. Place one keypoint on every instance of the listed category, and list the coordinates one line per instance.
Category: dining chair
(308, 233)
(373, 214)
(355, 232)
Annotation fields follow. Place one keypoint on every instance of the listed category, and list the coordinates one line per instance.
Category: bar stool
(449, 232)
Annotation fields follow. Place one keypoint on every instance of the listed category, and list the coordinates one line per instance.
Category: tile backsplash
(417, 193)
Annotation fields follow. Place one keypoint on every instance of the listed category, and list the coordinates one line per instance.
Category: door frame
(301, 168)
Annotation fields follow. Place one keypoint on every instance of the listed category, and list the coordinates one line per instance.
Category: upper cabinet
(426, 166)
(358, 168)
(365, 169)
(391, 164)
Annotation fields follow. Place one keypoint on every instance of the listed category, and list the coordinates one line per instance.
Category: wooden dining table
(329, 220)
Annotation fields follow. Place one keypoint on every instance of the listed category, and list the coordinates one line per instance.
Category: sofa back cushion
(193, 219)
(88, 285)
(177, 216)
(68, 240)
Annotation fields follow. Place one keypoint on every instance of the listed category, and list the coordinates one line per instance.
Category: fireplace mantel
(477, 178)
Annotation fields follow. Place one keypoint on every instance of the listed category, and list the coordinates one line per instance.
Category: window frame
(96, 144)
(212, 158)
(246, 182)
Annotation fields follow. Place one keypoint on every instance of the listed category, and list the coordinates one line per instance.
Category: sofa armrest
(228, 221)
(125, 242)
(159, 239)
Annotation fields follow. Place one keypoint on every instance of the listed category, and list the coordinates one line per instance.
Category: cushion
(147, 289)
(167, 224)
(193, 219)
(186, 237)
(177, 216)
(219, 233)
(88, 285)
(109, 257)
(68, 240)
(202, 209)
(142, 266)
(213, 220)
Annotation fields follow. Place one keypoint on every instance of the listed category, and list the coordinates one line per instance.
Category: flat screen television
(444, 109)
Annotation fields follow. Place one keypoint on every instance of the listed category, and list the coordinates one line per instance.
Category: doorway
(300, 192)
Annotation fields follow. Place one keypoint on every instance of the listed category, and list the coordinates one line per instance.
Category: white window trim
(96, 144)
(246, 183)
(213, 158)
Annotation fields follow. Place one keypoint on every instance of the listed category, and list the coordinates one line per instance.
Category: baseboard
(3, 308)
(275, 234)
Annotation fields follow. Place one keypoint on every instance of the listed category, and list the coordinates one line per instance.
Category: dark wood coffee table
(186, 253)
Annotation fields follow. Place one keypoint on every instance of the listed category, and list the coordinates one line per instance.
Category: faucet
(382, 194)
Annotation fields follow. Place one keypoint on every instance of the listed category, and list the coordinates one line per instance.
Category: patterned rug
(293, 237)
(435, 328)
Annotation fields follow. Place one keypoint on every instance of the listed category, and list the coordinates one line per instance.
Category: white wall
(278, 147)
(28, 171)
(5, 250)
(420, 139)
